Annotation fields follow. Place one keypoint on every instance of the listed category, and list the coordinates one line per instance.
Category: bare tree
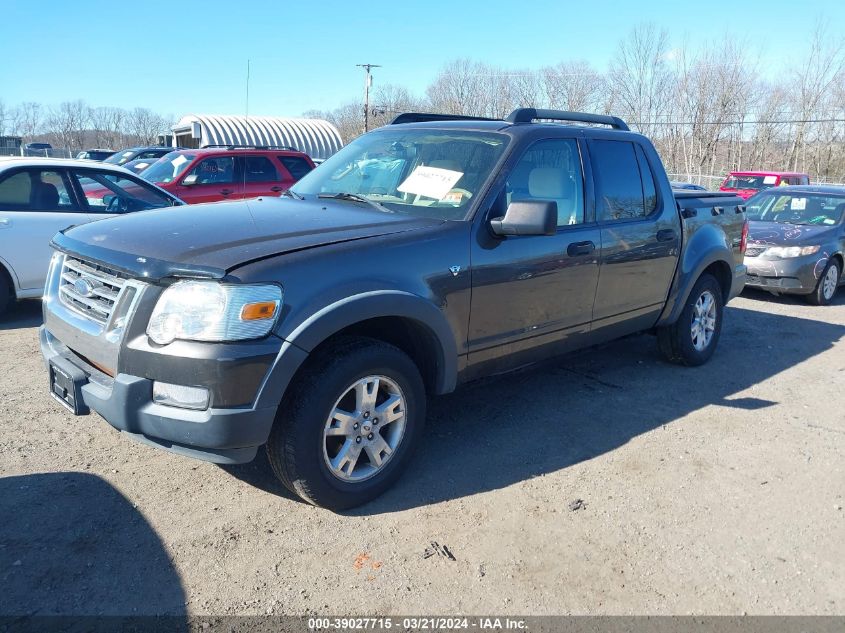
(145, 125)
(640, 79)
(27, 119)
(574, 86)
(812, 80)
(67, 124)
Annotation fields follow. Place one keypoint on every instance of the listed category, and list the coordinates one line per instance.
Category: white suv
(41, 196)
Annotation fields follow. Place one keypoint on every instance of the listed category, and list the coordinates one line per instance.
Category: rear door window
(647, 177)
(619, 183)
(259, 169)
(296, 165)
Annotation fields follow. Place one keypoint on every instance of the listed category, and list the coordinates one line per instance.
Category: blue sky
(186, 56)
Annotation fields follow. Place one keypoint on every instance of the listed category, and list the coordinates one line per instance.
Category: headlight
(785, 252)
(211, 311)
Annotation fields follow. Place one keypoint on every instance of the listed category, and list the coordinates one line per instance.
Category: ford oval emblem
(83, 287)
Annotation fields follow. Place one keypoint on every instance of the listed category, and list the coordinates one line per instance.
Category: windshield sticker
(453, 197)
(179, 160)
(798, 204)
(770, 180)
(431, 182)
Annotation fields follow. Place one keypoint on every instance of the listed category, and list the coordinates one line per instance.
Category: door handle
(226, 192)
(5, 223)
(665, 235)
(277, 189)
(580, 248)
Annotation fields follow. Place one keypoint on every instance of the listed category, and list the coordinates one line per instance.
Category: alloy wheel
(364, 429)
(703, 321)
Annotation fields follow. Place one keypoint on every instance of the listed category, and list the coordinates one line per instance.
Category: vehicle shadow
(24, 314)
(259, 473)
(495, 433)
(767, 297)
(71, 545)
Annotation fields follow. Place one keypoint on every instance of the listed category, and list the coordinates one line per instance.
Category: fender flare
(320, 325)
(706, 256)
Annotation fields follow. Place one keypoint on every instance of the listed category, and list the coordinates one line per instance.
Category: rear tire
(692, 339)
(327, 445)
(5, 293)
(827, 285)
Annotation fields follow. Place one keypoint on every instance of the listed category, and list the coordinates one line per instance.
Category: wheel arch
(411, 323)
(6, 274)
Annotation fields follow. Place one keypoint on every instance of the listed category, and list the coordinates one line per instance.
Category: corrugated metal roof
(315, 137)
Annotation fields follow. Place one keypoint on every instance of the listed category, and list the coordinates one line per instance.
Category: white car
(41, 196)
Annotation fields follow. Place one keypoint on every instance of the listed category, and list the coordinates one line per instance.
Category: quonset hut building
(316, 137)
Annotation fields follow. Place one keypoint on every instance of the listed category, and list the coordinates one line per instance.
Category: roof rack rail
(527, 115)
(422, 117)
(237, 146)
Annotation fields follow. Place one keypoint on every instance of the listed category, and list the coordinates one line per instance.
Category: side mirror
(190, 179)
(527, 217)
(108, 199)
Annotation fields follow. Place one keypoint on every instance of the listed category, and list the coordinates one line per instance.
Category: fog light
(180, 396)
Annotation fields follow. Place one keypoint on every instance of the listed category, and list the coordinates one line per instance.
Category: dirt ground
(606, 483)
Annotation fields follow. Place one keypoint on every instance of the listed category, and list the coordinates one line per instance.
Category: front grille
(754, 251)
(89, 289)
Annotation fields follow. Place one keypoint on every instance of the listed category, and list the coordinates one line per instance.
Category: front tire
(350, 423)
(826, 287)
(692, 339)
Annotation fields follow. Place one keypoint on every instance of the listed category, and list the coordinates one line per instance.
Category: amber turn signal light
(258, 311)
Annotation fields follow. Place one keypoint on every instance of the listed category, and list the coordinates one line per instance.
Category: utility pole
(368, 81)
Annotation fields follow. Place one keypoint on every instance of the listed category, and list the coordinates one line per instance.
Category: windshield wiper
(344, 195)
(292, 194)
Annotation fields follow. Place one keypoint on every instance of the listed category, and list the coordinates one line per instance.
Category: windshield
(750, 182)
(120, 157)
(169, 167)
(803, 208)
(430, 173)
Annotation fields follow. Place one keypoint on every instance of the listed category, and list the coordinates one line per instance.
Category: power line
(745, 122)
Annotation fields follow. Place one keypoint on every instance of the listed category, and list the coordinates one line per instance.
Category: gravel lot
(715, 490)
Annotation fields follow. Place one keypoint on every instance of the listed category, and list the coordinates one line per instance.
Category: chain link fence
(55, 152)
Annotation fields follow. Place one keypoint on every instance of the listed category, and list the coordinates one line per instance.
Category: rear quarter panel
(712, 234)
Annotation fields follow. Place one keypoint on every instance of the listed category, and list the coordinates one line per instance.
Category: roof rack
(527, 115)
(236, 146)
(422, 117)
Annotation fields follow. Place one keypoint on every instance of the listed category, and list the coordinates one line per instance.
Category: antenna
(247, 88)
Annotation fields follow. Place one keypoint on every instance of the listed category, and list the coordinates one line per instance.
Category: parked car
(686, 185)
(95, 154)
(39, 196)
(153, 153)
(37, 149)
(228, 173)
(747, 183)
(796, 241)
(424, 254)
(139, 164)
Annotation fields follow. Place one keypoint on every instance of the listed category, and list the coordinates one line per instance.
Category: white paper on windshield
(798, 204)
(432, 182)
(769, 180)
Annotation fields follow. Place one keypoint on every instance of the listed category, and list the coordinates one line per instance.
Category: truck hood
(208, 240)
(780, 234)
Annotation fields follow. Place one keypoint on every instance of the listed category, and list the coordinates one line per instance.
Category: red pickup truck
(747, 183)
(230, 172)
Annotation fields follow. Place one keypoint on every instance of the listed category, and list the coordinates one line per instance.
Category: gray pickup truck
(425, 254)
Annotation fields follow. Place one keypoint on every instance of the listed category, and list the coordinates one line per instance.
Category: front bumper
(221, 435)
(798, 275)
